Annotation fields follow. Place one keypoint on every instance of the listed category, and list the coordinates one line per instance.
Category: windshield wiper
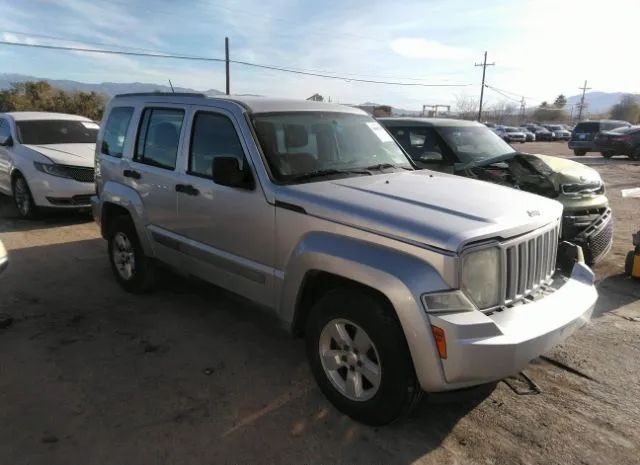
(382, 166)
(327, 172)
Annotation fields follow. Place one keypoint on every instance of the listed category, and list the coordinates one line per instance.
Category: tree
(628, 109)
(503, 112)
(560, 101)
(466, 106)
(41, 96)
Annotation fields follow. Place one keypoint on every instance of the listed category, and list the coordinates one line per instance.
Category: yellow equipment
(632, 263)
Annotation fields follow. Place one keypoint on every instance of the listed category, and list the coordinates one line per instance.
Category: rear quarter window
(115, 131)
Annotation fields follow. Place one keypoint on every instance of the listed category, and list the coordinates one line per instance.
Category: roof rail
(161, 94)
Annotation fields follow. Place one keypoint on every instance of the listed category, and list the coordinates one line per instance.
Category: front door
(228, 232)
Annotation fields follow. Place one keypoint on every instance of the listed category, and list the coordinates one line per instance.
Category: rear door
(227, 233)
(152, 170)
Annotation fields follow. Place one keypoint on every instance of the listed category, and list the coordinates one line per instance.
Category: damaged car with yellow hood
(472, 150)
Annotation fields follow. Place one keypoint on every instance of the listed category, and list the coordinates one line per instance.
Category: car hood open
(424, 207)
(67, 154)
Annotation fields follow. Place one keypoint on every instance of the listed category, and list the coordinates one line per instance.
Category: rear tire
(579, 153)
(22, 198)
(606, 154)
(380, 367)
(133, 270)
(635, 155)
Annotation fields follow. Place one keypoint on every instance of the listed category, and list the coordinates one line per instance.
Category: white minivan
(47, 160)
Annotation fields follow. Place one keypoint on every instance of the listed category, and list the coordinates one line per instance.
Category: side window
(115, 132)
(5, 131)
(213, 135)
(421, 143)
(159, 136)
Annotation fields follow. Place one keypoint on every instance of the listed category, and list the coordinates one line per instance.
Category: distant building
(316, 98)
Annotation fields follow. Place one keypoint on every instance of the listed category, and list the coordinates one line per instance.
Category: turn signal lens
(441, 341)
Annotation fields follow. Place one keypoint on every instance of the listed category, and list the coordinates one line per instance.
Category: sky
(541, 48)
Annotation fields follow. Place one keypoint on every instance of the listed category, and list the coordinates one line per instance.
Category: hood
(424, 207)
(568, 171)
(67, 154)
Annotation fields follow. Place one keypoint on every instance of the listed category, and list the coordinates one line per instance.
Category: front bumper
(487, 347)
(55, 192)
(581, 145)
(592, 232)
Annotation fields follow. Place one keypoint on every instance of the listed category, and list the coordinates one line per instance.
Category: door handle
(187, 189)
(131, 174)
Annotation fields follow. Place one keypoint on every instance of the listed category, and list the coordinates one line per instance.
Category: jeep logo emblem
(533, 213)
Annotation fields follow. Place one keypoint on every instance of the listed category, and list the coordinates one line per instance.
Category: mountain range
(597, 102)
(107, 88)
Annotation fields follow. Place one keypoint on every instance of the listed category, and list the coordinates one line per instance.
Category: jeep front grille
(528, 262)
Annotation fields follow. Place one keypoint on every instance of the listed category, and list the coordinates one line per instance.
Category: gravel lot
(192, 375)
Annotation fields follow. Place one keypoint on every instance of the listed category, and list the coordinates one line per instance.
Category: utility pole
(226, 61)
(523, 110)
(581, 106)
(484, 65)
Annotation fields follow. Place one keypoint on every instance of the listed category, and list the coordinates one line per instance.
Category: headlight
(481, 277)
(52, 169)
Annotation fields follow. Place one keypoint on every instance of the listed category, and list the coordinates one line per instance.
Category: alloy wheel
(350, 360)
(124, 256)
(22, 197)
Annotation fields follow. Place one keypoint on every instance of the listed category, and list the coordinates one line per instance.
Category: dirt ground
(192, 375)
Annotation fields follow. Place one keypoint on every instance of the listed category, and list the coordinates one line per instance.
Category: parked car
(400, 280)
(621, 141)
(511, 134)
(470, 150)
(530, 136)
(4, 258)
(46, 160)
(585, 131)
(542, 134)
(559, 132)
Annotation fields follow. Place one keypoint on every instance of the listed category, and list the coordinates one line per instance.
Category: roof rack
(162, 94)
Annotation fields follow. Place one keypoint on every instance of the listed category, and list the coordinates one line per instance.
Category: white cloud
(417, 47)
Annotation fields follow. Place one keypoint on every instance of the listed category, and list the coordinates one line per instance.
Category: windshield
(474, 144)
(44, 132)
(513, 130)
(299, 145)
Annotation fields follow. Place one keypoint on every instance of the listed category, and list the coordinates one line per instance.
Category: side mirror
(227, 172)
(6, 141)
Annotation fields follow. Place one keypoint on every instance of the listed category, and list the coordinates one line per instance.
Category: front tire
(23, 199)
(579, 153)
(133, 270)
(635, 155)
(359, 357)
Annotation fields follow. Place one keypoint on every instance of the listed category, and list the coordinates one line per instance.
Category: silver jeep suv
(401, 281)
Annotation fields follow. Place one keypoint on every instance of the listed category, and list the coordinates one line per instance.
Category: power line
(154, 51)
(76, 41)
(497, 91)
(218, 60)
